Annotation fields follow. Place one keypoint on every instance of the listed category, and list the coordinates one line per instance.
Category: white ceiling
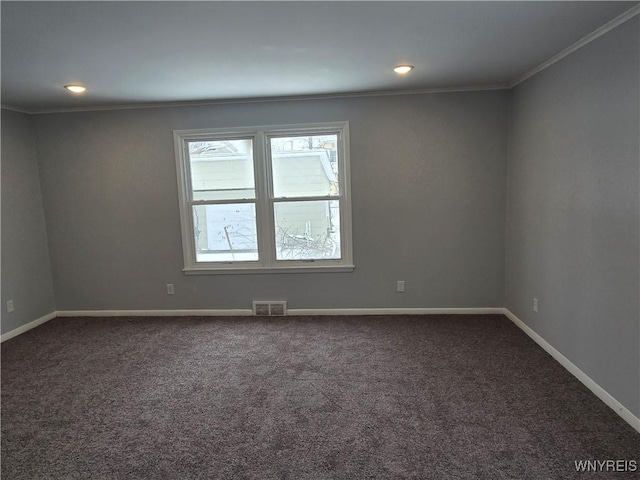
(153, 52)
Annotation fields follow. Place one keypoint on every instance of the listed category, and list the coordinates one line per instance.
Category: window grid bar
(305, 199)
(225, 201)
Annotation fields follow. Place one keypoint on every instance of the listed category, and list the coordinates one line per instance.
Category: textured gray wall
(26, 270)
(573, 210)
(428, 182)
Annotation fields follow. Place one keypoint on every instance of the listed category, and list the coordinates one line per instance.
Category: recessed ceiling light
(76, 88)
(403, 69)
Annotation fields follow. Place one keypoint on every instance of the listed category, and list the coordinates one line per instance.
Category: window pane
(304, 166)
(222, 169)
(225, 233)
(307, 230)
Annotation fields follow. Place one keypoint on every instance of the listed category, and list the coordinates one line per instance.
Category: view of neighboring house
(305, 227)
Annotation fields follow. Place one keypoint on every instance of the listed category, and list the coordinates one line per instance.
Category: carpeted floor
(429, 397)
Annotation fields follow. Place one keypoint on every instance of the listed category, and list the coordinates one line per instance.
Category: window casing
(265, 199)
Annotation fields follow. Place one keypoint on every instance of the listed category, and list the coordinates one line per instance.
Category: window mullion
(263, 205)
(270, 241)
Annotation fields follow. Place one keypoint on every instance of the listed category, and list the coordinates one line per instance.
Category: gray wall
(573, 209)
(26, 270)
(428, 184)
(428, 181)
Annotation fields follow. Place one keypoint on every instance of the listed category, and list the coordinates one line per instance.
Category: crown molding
(14, 109)
(292, 98)
(607, 27)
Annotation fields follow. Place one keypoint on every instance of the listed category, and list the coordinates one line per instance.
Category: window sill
(260, 270)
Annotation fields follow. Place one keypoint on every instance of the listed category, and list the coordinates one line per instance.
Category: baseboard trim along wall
(290, 311)
(597, 390)
(395, 311)
(240, 312)
(247, 312)
(28, 326)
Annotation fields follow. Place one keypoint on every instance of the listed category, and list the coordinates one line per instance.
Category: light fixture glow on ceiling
(403, 69)
(76, 88)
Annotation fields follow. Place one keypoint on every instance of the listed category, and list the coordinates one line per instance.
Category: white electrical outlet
(10, 306)
(535, 305)
(400, 286)
(170, 290)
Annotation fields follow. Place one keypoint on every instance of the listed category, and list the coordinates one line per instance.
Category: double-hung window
(265, 199)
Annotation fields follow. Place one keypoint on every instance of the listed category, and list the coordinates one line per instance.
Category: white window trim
(264, 200)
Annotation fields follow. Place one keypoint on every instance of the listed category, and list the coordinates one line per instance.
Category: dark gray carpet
(433, 397)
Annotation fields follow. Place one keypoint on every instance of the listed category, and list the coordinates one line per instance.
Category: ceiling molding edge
(607, 27)
(291, 98)
(14, 109)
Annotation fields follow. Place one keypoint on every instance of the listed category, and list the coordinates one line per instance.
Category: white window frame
(264, 199)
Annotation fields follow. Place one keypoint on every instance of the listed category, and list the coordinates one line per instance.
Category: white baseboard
(291, 311)
(246, 312)
(28, 326)
(395, 311)
(597, 390)
(156, 313)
